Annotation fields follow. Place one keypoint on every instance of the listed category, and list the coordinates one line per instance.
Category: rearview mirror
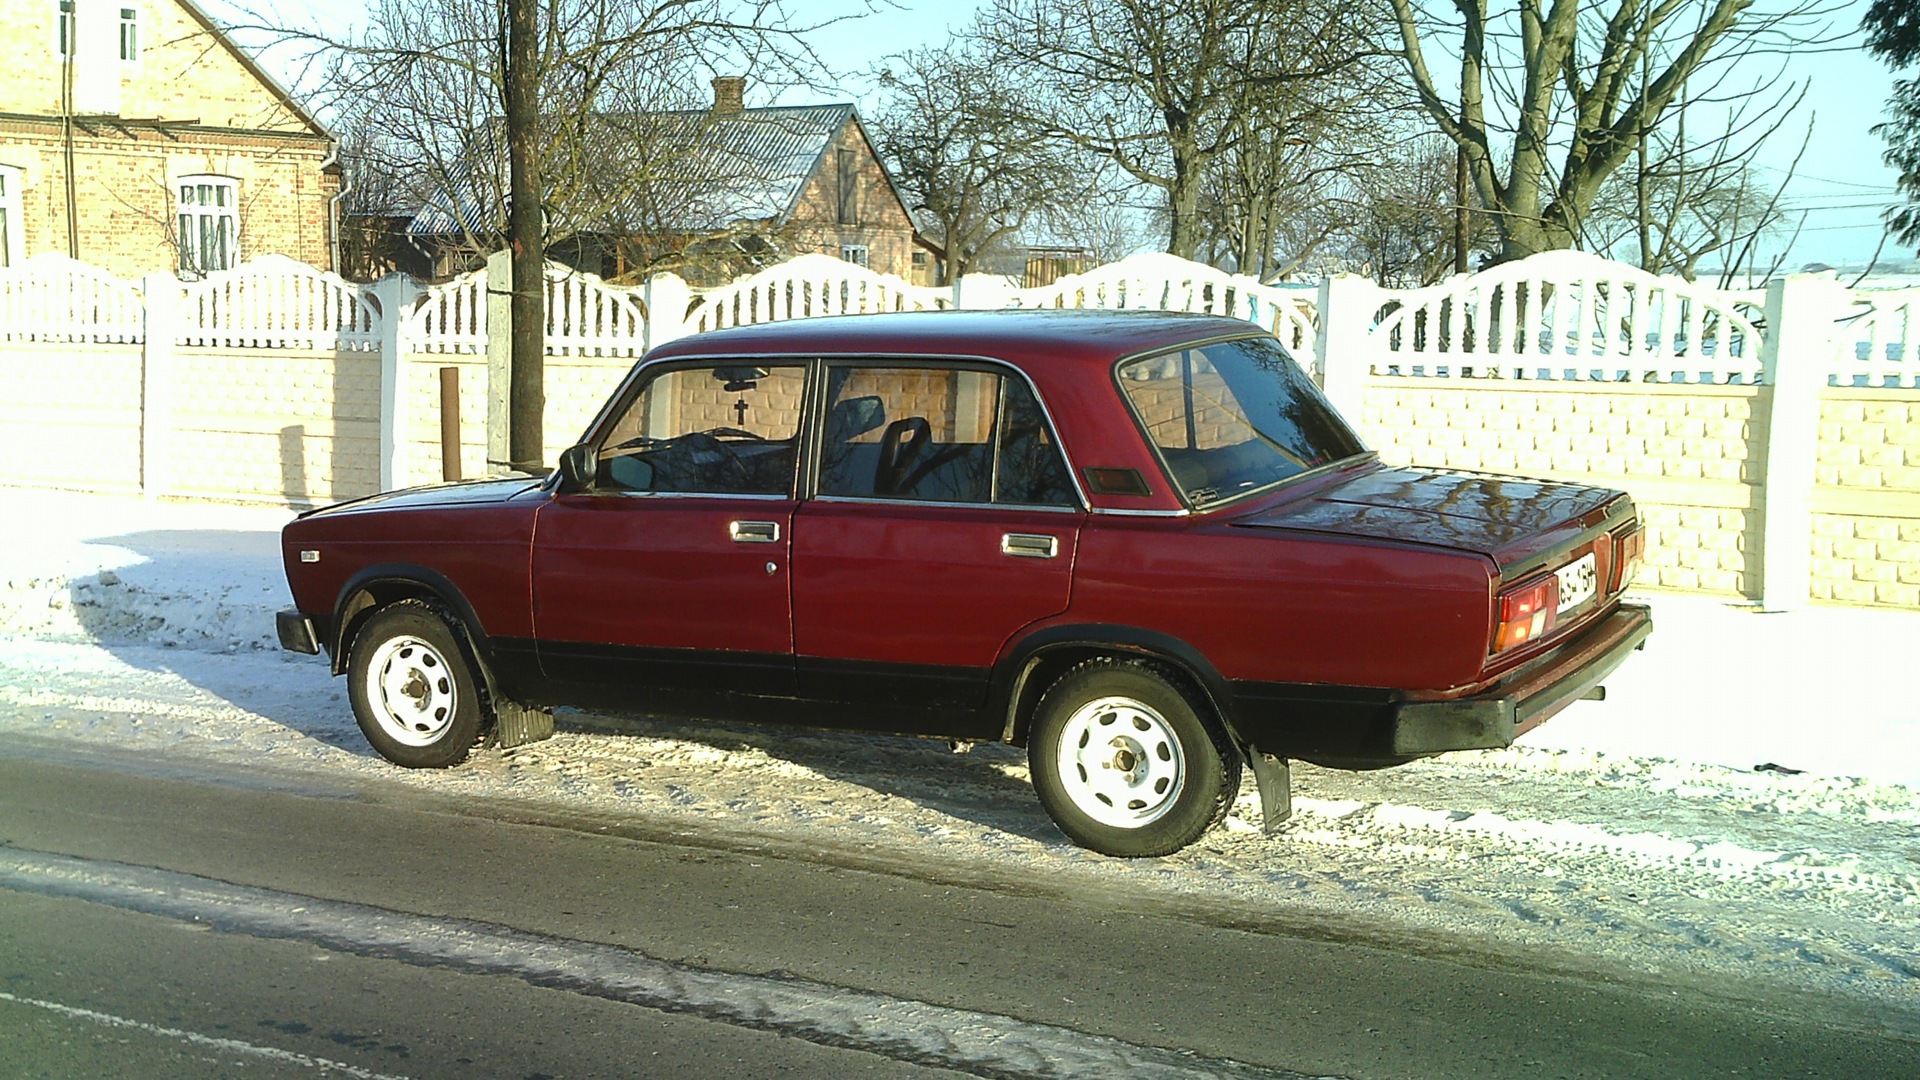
(578, 466)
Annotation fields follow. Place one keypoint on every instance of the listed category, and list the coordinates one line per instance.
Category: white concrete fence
(1772, 437)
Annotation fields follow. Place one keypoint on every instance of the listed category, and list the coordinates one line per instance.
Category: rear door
(943, 520)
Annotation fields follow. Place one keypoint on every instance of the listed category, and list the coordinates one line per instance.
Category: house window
(129, 34)
(848, 177)
(63, 30)
(855, 254)
(209, 215)
(10, 217)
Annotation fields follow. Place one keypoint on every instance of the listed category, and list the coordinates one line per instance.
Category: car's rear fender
(1034, 662)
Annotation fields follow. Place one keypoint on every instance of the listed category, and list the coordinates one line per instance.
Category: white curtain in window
(209, 216)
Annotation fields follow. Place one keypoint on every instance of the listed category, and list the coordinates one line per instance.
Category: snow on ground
(1636, 835)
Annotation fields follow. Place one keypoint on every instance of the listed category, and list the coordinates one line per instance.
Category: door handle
(1029, 545)
(754, 532)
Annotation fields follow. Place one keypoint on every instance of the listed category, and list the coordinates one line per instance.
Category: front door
(671, 571)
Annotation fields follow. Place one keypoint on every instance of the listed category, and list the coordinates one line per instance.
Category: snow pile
(127, 571)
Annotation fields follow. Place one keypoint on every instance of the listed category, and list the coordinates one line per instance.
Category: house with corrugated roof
(707, 193)
(138, 136)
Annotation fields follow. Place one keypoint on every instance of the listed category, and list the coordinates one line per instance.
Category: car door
(943, 520)
(670, 570)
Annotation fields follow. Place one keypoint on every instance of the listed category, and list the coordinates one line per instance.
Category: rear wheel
(413, 691)
(1128, 762)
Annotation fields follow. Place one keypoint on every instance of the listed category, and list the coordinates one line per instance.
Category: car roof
(1058, 337)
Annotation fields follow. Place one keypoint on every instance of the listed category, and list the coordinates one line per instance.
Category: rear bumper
(1352, 727)
(1496, 718)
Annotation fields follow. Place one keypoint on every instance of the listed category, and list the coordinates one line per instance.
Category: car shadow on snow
(199, 605)
(978, 786)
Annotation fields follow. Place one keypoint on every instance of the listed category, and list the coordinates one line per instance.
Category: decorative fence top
(1560, 315)
(1567, 315)
(453, 317)
(1878, 343)
(806, 286)
(275, 302)
(1156, 281)
(53, 298)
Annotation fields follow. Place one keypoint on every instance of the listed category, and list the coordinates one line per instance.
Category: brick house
(730, 189)
(136, 136)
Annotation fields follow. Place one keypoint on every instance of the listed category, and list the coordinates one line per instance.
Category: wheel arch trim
(1013, 685)
(469, 631)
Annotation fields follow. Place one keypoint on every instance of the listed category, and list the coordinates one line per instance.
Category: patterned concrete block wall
(1689, 455)
(297, 426)
(576, 388)
(70, 416)
(420, 458)
(1866, 499)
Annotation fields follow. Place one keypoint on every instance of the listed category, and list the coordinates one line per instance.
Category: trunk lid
(1518, 523)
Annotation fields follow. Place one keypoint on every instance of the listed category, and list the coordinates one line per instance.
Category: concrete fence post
(1347, 303)
(981, 292)
(499, 358)
(1795, 359)
(160, 302)
(667, 297)
(396, 294)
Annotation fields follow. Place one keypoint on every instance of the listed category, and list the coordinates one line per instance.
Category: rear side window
(1233, 417)
(943, 435)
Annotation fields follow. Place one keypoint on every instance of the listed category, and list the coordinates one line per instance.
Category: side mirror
(578, 466)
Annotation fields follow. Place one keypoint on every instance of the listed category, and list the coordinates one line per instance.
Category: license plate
(1579, 580)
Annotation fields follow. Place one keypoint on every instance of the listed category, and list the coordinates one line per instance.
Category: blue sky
(1841, 185)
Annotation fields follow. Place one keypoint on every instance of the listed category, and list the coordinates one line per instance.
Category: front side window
(945, 435)
(727, 429)
(10, 217)
(1233, 417)
(208, 212)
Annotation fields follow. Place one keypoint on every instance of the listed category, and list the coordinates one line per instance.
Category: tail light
(1526, 613)
(1628, 549)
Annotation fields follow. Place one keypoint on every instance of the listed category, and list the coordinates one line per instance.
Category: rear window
(1233, 417)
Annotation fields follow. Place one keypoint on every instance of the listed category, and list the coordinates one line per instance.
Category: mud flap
(515, 724)
(1274, 777)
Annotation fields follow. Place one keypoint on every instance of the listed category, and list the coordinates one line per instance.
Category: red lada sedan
(1142, 545)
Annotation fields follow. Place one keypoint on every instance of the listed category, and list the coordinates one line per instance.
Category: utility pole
(526, 410)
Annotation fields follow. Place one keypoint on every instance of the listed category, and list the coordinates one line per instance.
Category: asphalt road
(160, 921)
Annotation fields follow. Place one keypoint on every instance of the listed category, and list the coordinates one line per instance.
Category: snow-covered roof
(685, 171)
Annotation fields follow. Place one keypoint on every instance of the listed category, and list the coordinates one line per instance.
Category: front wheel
(413, 691)
(1127, 762)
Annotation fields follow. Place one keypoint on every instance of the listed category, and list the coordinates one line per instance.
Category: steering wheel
(733, 433)
(900, 446)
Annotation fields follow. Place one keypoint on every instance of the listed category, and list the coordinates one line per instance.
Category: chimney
(729, 93)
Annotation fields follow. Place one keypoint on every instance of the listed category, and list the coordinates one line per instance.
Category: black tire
(413, 689)
(1128, 762)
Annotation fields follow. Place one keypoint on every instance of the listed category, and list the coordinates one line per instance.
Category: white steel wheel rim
(414, 692)
(1121, 763)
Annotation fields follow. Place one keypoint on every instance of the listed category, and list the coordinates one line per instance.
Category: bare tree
(971, 173)
(1563, 91)
(1162, 88)
(1276, 194)
(1400, 217)
(420, 94)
